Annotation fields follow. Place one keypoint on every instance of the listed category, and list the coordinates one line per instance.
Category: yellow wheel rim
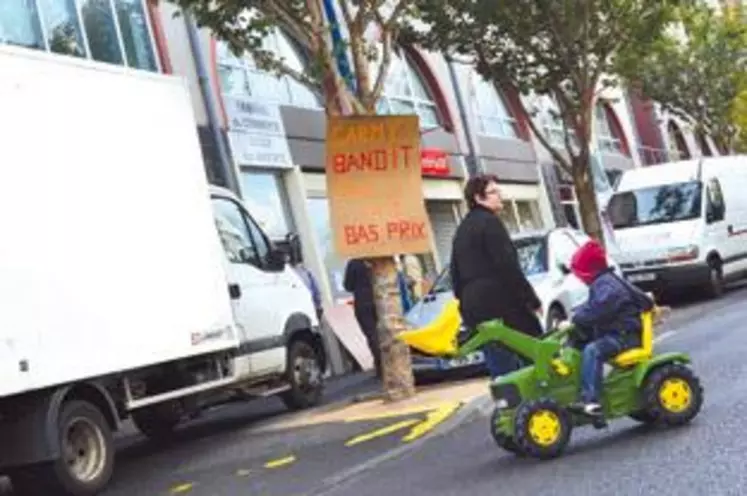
(675, 395)
(544, 428)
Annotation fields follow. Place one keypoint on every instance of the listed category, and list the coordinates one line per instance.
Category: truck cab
(279, 339)
(681, 225)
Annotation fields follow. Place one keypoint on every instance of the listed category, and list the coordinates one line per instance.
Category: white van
(683, 224)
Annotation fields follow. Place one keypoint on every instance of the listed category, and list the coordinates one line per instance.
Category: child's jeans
(595, 354)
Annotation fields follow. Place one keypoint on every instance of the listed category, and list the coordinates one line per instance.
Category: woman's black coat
(487, 278)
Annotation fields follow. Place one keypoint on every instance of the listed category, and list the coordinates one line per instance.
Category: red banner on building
(434, 162)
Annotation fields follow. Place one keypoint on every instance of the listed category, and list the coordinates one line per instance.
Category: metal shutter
(444, 225)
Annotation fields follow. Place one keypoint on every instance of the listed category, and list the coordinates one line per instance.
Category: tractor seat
(635, 356)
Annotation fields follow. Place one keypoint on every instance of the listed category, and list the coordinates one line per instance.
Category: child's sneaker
(592, 409)
(588, 409)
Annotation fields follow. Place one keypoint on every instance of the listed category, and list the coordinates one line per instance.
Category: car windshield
(532, 253)
(656, 205)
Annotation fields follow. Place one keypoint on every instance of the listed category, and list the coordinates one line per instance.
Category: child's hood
(589, 261)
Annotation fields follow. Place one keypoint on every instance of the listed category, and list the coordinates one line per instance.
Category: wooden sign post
(377, 211)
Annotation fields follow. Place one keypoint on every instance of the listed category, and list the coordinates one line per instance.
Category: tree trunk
(587, 199)
(397, 377)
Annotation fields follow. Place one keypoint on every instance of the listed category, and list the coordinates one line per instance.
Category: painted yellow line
(182, 488)
(400, 412)
(280, 462)
(432, 420)
(381, 432)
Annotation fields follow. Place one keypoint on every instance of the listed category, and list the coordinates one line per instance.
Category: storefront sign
(374, 184)
(256, 133)
(434, 162)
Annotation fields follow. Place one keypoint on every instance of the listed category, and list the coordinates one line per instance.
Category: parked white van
(683, 224)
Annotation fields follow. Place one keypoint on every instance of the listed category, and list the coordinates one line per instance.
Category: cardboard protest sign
(374, 186)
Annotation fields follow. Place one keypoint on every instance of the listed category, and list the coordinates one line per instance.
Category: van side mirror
(277, 259)
(293, 243)
(564, 269)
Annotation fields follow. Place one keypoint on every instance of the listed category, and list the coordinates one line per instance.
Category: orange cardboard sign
(375, 187)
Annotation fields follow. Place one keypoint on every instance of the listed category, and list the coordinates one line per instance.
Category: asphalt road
(707, 457)
(228, 454)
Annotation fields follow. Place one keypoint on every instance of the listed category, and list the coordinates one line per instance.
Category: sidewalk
(365, 405)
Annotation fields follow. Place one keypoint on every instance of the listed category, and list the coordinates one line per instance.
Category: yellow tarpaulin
(440, 336)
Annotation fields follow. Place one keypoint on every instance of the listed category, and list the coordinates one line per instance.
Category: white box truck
(128, 286)
(683, 225)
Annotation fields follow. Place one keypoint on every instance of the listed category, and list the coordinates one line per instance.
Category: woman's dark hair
(476, 186)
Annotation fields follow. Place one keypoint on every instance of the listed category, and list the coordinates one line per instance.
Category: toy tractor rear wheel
(543, 428)
(672, 394)
(502, 439)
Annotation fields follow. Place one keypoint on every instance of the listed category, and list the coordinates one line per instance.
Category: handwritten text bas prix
(402, 230)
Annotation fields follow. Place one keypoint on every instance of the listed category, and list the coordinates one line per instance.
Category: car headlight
(683, 253)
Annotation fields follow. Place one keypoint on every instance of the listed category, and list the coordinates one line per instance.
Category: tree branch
(386, 62)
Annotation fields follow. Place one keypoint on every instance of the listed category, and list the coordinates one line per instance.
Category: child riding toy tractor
(533, 414)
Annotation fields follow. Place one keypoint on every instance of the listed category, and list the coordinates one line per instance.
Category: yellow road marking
(280, 462)
(182, 488)
(381, 432)
(400, 412)
(434, 418)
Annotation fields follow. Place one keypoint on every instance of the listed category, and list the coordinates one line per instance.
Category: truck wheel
(87, 460)
(158, 422)
(304, 375)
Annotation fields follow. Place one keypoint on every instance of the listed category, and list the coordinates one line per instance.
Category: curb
(479, 404)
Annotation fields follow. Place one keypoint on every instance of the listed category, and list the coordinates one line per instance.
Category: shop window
(508, 217)
(240, 76)
(112, 31)
(528, 215)
(606, 139)
(19, 24)
(335, 266)
(263, 197)
(405, 93)
(493, 117)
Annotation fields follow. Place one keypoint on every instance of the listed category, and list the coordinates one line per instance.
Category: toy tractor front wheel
(672, 395)
(543, 428)
(502, 439)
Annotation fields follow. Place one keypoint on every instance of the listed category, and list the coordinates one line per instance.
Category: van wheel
(304, 375)
(715, 288)
(86, 462)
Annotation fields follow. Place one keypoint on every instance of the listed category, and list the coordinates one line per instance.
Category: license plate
(465, 361)
(649, 276)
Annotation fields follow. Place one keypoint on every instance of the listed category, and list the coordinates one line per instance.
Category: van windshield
(656, 205)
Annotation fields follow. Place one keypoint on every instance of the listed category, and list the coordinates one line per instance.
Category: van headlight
(683, 253)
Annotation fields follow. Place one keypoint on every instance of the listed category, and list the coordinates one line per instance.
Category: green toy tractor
(532, 415)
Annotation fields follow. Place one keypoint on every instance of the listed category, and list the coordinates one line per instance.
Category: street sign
(375, 186)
